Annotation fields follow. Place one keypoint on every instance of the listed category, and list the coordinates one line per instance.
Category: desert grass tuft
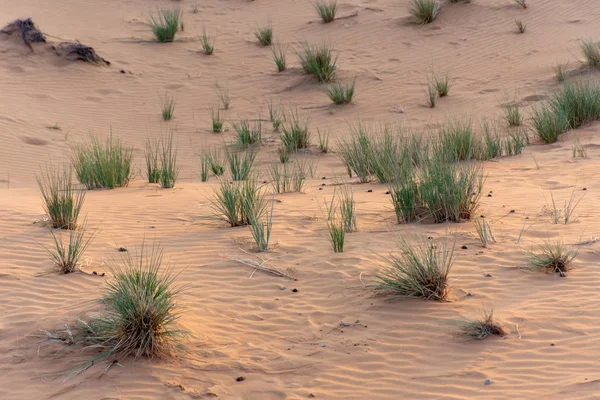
(521, 27)
(347, 208)
(167, 105)
(565, 214)
(481, 328)
(512, 113)
(326, 9)
(168, 162)
(551, 258)
(323, 142)
(284, 153)
(441, 84)
(225, 97)
(279, 54)
(319, 61)
(261, 230)
(264, 35)
(561, 72)
(288, 178)
(548, 124)
(103, 165)
(67, 256)
(521, 3)
(341, 94)
(62, 201)
(295, 134)
(165, 24)
(218, 120)
(424, 11)
(431, 95)
(240, 163)
(208, 44)
(356, 153)
(246, 134)
(238, 202)
(591, 53)
(152, 160)
(419, 271)
(484, 231)
(337, 234)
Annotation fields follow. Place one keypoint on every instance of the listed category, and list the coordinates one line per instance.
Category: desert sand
(331, 338)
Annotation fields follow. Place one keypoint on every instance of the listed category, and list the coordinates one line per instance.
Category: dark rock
(240, 379)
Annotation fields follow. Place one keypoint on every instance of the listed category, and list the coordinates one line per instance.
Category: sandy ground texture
(329, 338)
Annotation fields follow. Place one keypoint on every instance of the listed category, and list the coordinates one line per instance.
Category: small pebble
(488, 382)
(345, 323)
(490, 195)
(469, 294)
(370, 190)
(264, 181)
(488, 275)
(551, 344)
(584, 188)
(240, 379)
(281, 287)
(323, 184)
(464, 247)
(122, 71)
(512, 211)
(320, 188)
(323, 345)
(295, 290)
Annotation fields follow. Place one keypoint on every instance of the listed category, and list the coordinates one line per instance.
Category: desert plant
(457, 141)
(152, 160)
(215, 161)
(295, 135)
(419, 271)
(240, 163)
(165, 24)
(208, 45)
(492, 142)
(552, 258)
(548, 124)
(404, 194)
(341, 94)
(326, 9)
(560, 72)
(279, 53)
(204, 167)
(591, 53)
(247, 135)
(168, 162)
(431, 95)
(516, 142)
(484, 231)
(225, 97)
(578, 149)
(261, 231)
(347, 207)
(481, 328)
(217, 120)
(578, 102)
(512, 113)
(441, 84)
(288, 178)
(521, 3)
(167, 105)
(337, 234)
(103, 165)
(237, 202)
(264, 35)
(62, 201)
(67, 256)
(521, 27)
(356, 153)
(319, 61)
(284, 154)
(424, 11)
(323, 142)
(563, 214)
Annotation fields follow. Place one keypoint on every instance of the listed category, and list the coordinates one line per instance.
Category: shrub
(238, 202)
(419, 271)
(240, 163)
(279, 53)
(318, 60)
(167, 107)
(168, 163)
(103, 165)
(152, 160)
(208, 46)
(552, 258)
(139, 310)
(295, 135)
(165, 25)
(247, 135)
(62, 201)
(326, 10)
(67, 256)
(481, 328)
(341, 94)
(264, 35)
(424, 11)
(591, 53)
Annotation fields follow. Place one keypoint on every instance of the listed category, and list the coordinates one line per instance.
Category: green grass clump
(166, 24)
(284, 153)
(140, 310)
(458, 142)
(62, 201)
(551, 258)
(481, 328)
(419, 271)
(326, 9)
(323, 142)
(591, 53)
(168, 162)
(247, 135)
(512, 113)
(67, 256)
(211, 160)
(152, 160)
(404, 194)
(357, 153)
(431, 95)
(295, 134)
(103, 165)
(578, 102)
(279, 53)
(240, 163)
(561, 72)
(264, 35)
(441, 83)
(424, 11)
(337, 234)
(208, 45)
(341, 94)
(261, 230)
(548, 124)
(217, 120)
(347, 208)
(288, 178)
(237, 203)
(319, 61)
(168, 107)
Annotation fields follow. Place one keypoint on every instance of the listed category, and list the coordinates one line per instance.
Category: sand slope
(291, 344)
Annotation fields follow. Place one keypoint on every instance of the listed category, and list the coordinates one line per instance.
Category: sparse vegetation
(424, 11)
(561, 72)
(326, 9)
(591, 53)
(431, 95)
(167, 104)
(319, 61)
(551, 258)
(521, 27)
(103, 165)
(165, 24)
(288, 178)
(341, 94)
(347, 208)
(481, 328)
(563, 214)
(168, 162)
(337, 233)
(295, 135)
(240, 163)
(67, 256)
(152, 160)
(247, 135)
(225, 97)
(512, 113)
(237, 202)
(441, 84)
(62, 201)
(261, 231)
(284, 154)
(208, 45)
(217, 120)
(521, 3)
(419, 271)
(264, 35)
(279, 54)
(484, 231)
(323, 142)
(549, 125)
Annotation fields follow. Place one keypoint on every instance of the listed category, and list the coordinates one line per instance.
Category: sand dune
(331, 338)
